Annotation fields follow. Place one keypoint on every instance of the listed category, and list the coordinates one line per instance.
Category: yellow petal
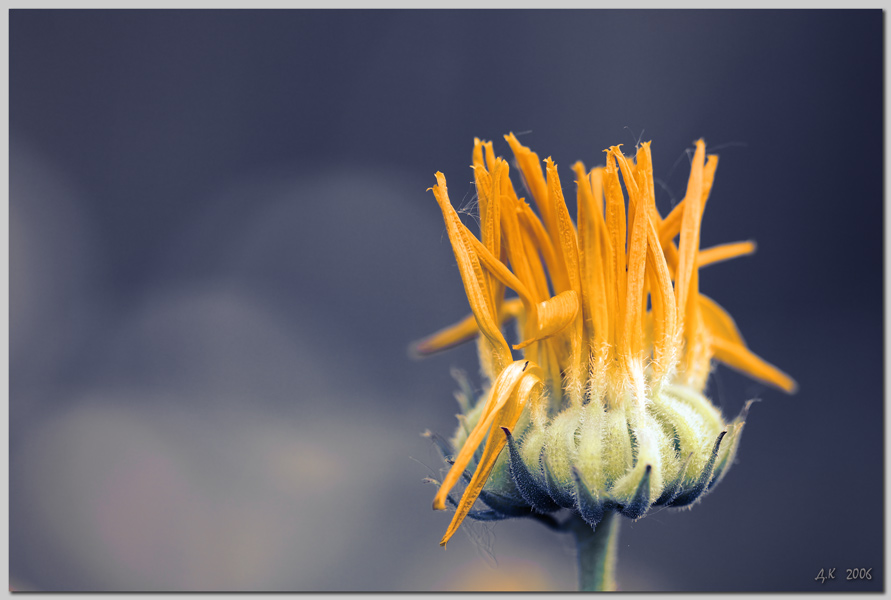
(671, 225)
(464, 330)
(519, 383)
(730, 348)
(718, 321)
(525, 245)
(533, 177)
(724, 252)
(480, 171)
(520, 260)
(488, 185)
(566, 246)
(567, 249)
(698, 349)
(665, 339)
(591, 228)
(658, 275)
(690, 225)
(478, 152)
(539, 238)
(473, 278)
(740, 357)
(615, 224)
(631, 186)
(525, 263)
(501, 273)
(499, 394)
(645, 182)
(632, 329)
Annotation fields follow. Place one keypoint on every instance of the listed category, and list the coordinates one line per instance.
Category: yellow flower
(607, 396)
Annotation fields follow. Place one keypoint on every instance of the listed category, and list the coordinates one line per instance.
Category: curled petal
(554, 315)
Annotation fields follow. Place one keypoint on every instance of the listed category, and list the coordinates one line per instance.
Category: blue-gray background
(221, 246)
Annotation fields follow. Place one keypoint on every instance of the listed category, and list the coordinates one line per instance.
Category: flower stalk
(597, 553)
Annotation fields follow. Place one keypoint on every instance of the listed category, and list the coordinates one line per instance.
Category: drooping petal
(718, 321)
(554, 315)
(516, 385)
(740, 357)
(730, 348)
(498, 395)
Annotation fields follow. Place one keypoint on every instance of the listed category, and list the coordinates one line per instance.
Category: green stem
(597, 553)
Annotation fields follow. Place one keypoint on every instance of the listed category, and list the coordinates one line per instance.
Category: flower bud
(605, 411)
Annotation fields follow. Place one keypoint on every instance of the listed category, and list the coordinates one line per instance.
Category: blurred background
(221, 247)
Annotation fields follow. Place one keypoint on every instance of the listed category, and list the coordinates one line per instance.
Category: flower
(605, 410)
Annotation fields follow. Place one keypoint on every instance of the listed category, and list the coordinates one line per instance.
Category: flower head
(604, 410)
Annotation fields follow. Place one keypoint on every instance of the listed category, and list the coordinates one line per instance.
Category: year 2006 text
(860, 574)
